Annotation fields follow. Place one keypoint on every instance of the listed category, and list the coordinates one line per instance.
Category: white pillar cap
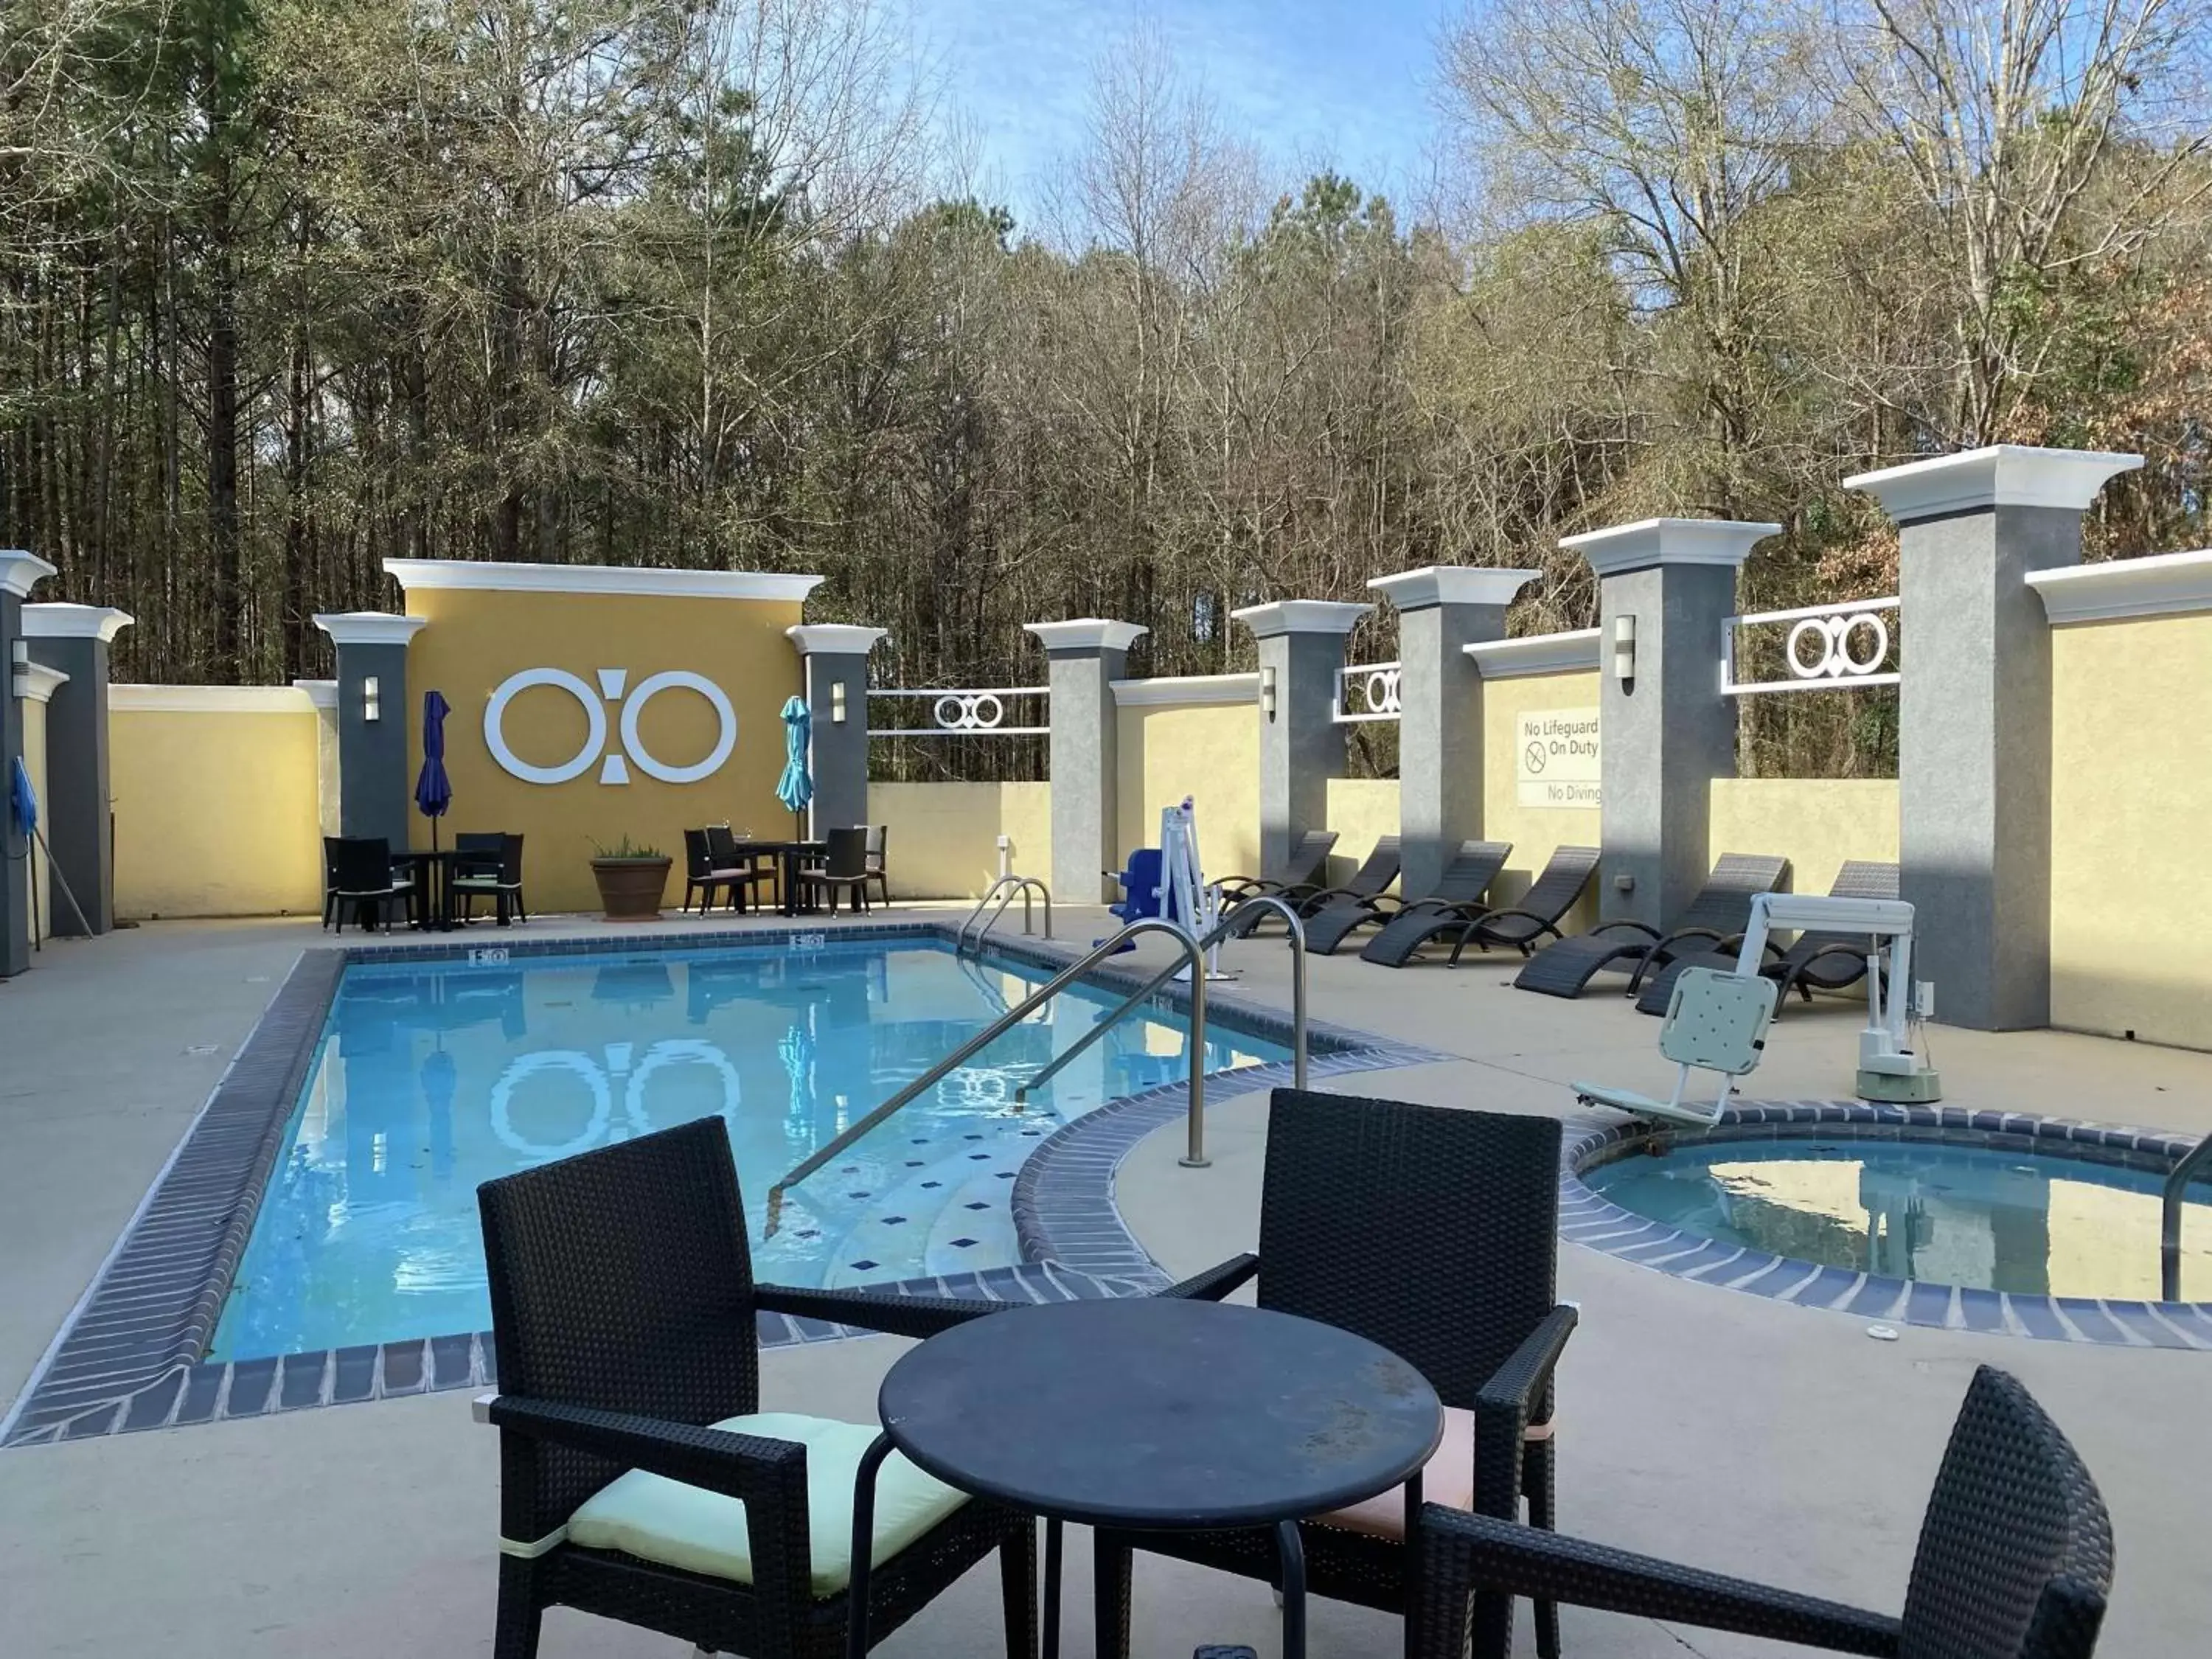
(323, 694)
(2004, 474)
(1452, 584)
(1086, 633)
(1301, 616)
(370, 627)
(833, 639)
(20, 572)
(58, 621)
(37, 682)
(1649, 542)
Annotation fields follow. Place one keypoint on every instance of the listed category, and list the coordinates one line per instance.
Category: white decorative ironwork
(1372, 686)
(965, 712)
(1829, 648)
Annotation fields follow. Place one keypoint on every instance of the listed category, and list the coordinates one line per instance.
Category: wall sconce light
(19, 668)
(372, 701)
(836, 702)
(1624, 650)
(1267, 694)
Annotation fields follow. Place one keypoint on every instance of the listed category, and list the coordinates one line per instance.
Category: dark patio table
(790, 856)
(433, 886)
(1152, 1414)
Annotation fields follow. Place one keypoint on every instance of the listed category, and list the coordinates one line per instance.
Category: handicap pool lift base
(1717, 1022)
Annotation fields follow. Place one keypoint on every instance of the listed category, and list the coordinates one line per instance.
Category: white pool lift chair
(1716, 1022)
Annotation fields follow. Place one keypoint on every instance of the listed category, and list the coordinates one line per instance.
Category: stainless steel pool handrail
(1144, 992)
(1004, 890)
(2169, 1220)
(1005, 1023)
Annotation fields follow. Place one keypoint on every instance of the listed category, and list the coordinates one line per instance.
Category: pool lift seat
(1716, 1022)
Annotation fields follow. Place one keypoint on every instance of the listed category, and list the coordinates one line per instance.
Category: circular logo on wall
(614, 765)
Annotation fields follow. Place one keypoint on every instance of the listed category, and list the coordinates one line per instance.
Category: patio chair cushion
(1447, 1479)
(695, 1531)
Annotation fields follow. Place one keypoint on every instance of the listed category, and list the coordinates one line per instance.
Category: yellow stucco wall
(1210, 752)
(1534, 831)
(39, 924)
(1362, 810)
(2131, 791)
(216, 802)
(1815, 822)
(477, 638)
(942, 837)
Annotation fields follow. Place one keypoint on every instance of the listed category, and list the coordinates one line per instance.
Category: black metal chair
(879, 836)
(2014, 1561)
(624, 1306)
(744, 869)
(1460, 1283)
(844, 869)
(489, 866)
(702, 880)
(362, 876)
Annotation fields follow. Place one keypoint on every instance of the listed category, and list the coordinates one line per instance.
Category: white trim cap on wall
(370, 627)
(59, 621)
(833, 639)
(207, 700)
(1648, 542)
(2158, 585)
(487, 575)
(323, 694)
(38, 682)
(1187, 690)
(1087, 634)
(1452, 584)
(1301, 616)
(21, 572)
(2003, 475)
(1535, 653)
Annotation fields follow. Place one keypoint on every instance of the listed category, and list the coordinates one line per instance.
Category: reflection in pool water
(1975, 1216)
(430, 1079)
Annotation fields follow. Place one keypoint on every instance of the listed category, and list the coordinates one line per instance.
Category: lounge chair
(1817, 962)
(1462, 1284)
(638, 1478)
(1460, 889)
(2014, 1561)
(1718, 914)
(1305, 870)
(1551, 896)
(1375, 871)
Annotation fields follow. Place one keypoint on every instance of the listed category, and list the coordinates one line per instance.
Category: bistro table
(433, 886)
(1152, 1413)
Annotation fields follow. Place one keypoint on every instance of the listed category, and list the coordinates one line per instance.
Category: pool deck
(1716, 1427)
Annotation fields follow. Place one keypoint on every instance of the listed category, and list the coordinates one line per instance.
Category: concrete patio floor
(1710, 1425)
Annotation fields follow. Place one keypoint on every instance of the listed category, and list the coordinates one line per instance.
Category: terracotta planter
(630, 889)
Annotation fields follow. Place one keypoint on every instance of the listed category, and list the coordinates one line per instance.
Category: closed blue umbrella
(795, 787)
(434, 792)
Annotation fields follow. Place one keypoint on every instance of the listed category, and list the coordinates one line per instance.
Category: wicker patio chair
(844, 869)
(1715, 918)
(362, 876)
(1458, 891)
(1460, 1285)
(746, 869)
(2014, 1561)
(1817, 961)
(489, 865)
(623, 1309)
(1551, 896)
(879, 838)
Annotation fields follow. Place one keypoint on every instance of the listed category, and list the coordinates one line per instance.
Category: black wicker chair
(623, 1309)
(489, 865)
(750, 873)
(844, 869)
(362, 876)
(2014, 1561)
(1461, 1284)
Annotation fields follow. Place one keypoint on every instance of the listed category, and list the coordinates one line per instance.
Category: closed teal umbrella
(796, 788)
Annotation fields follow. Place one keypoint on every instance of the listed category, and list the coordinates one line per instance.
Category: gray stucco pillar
(19, 572)
(1301, 744)
(1666, 588)
(1084, 657)
(834, 658)
(74, 639)
(374, 718)
(1974, 715)
(1442, 610)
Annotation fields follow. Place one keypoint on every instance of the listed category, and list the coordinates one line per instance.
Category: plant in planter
(632, 878)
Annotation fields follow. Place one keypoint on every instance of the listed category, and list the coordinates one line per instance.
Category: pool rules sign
(1555, 760)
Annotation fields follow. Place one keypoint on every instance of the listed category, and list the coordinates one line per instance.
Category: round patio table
(1150, 1415)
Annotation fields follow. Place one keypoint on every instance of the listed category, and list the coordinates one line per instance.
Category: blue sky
(1308, 81)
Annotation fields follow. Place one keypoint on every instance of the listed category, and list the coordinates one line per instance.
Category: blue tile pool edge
(1587, 1217)
(128, 1357)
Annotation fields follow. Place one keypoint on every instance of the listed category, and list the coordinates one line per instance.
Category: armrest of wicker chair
(746, 1467)
(877, 1311)
(1216, 1281)
(1463, 1552)
(1505, 1405)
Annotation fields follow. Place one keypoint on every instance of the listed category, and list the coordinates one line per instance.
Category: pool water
(430, 1079)
(1975, 1216)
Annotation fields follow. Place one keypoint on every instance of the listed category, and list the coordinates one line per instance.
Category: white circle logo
(614, 768)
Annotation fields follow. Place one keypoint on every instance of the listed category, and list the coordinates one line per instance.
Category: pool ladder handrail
(1004, 890)
(2169, 1221)
(1005, 1023)
(1236, 920)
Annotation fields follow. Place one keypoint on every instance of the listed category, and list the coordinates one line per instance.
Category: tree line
(290, 287)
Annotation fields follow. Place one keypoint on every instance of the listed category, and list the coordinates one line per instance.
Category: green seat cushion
(657, 1519)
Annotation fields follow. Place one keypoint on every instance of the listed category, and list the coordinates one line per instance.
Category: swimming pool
(431, 1077)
